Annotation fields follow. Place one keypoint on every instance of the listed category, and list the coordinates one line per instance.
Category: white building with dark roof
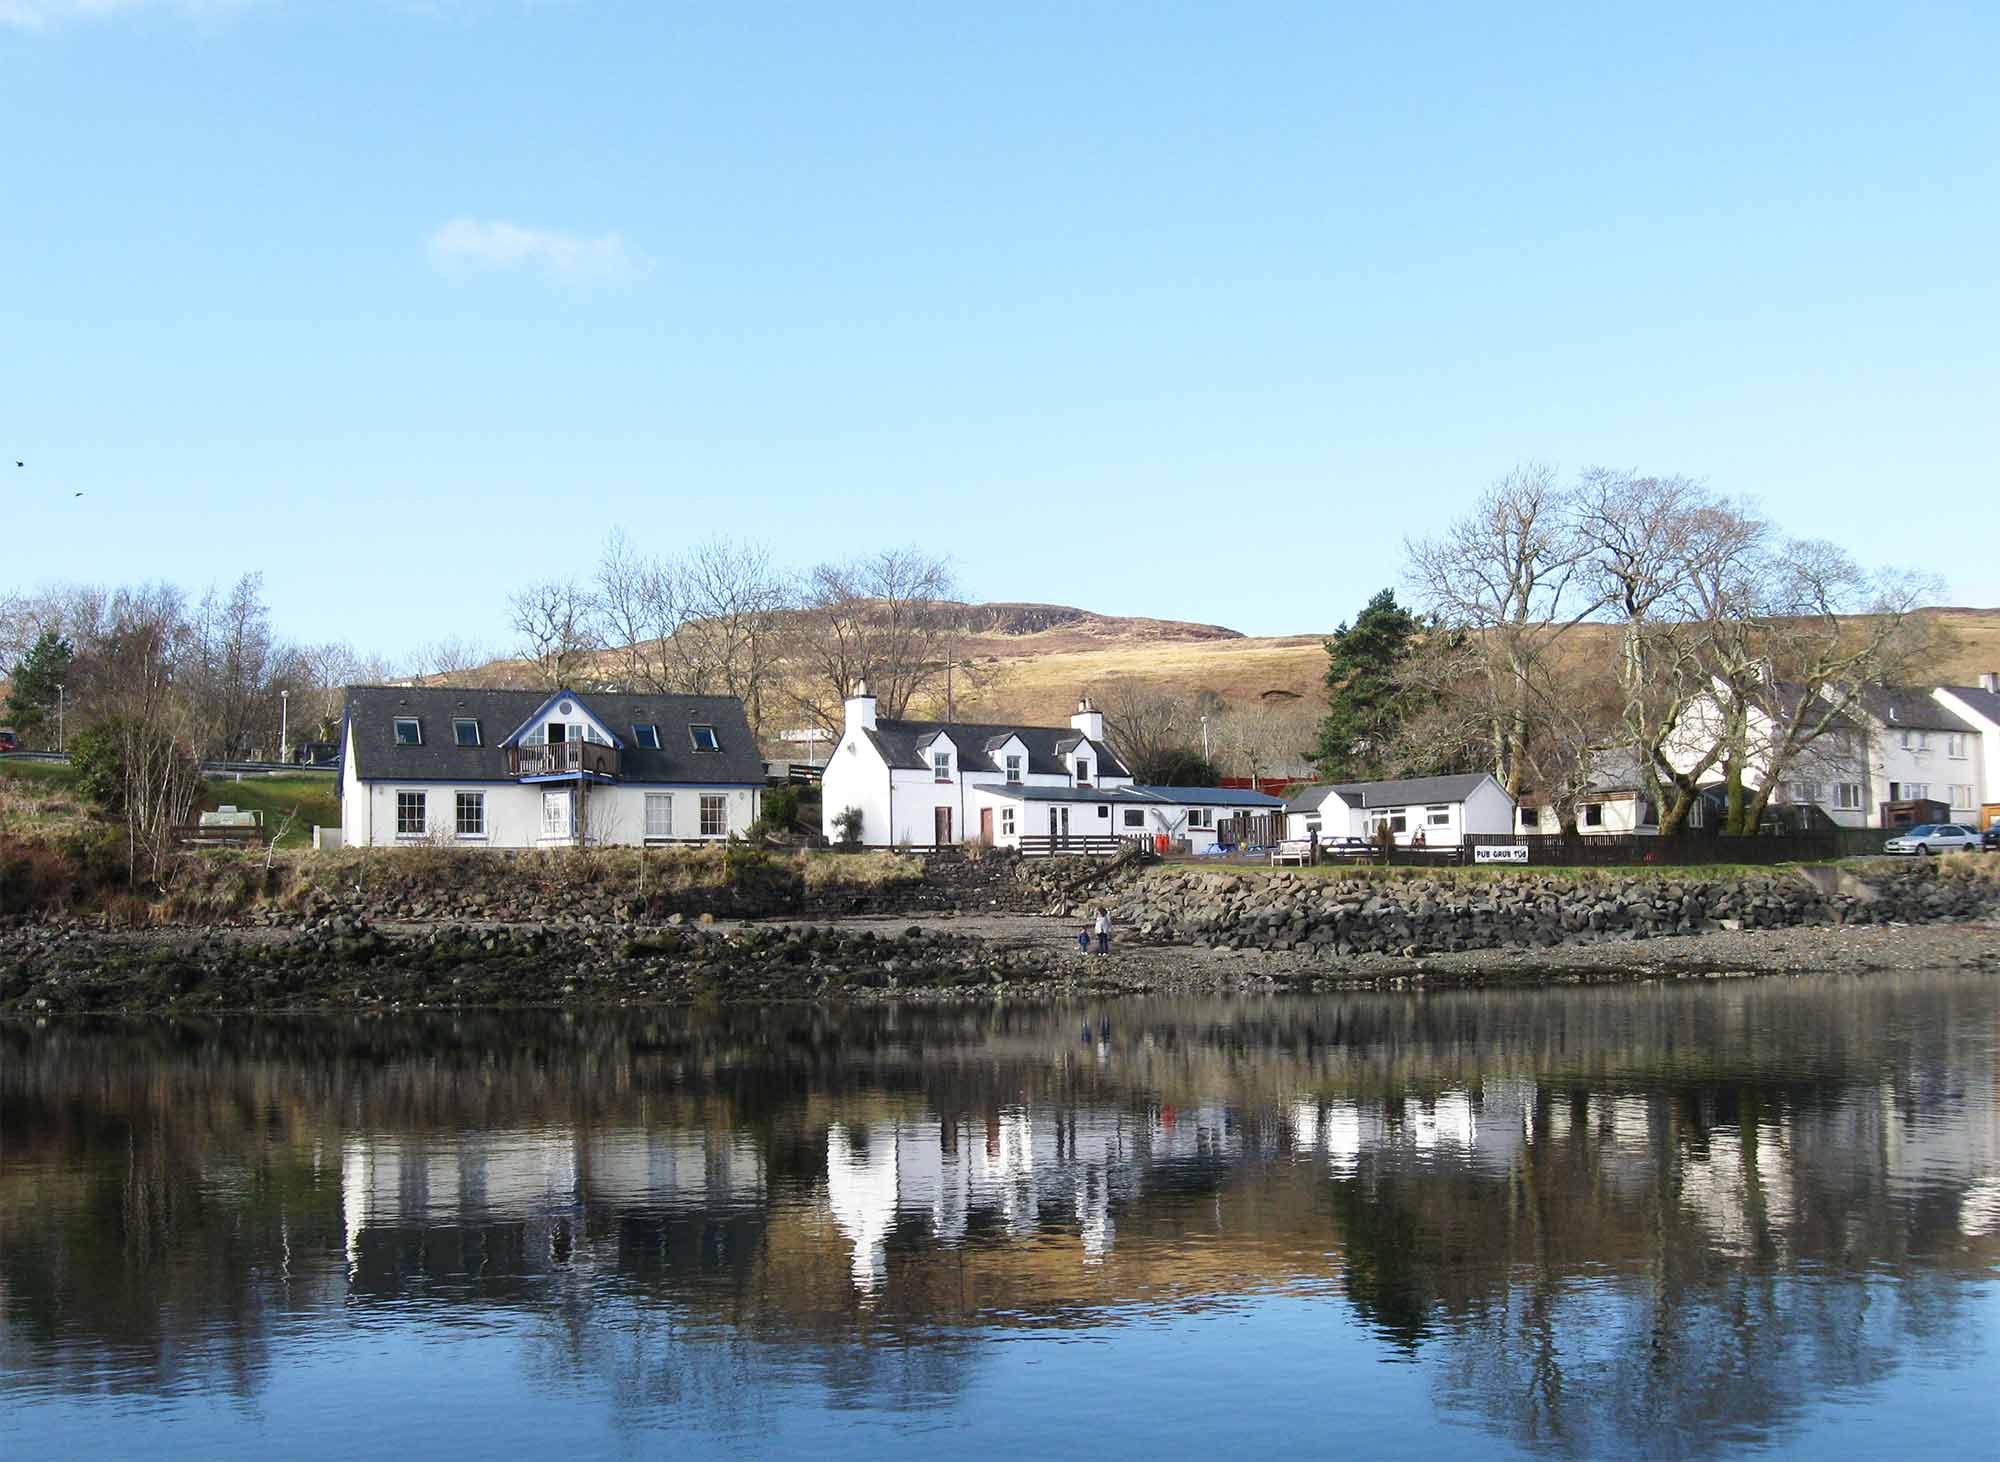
(521, 769)
(1440, 810)
(1034, 788)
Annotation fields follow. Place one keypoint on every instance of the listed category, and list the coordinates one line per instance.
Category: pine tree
(1364, 700)
(38, 679)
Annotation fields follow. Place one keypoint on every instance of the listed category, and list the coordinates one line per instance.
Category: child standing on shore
(1104, 931)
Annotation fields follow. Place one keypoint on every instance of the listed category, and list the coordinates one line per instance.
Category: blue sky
(1175, 310)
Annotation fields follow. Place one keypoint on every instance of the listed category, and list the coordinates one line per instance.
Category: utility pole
(285, 725)
(62, 698)
(1204, 741)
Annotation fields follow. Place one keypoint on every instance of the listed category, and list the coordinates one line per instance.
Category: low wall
(1435, 915)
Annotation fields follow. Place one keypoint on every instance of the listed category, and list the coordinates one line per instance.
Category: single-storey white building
(1439, 809)
(1057, 819)
(521, 769)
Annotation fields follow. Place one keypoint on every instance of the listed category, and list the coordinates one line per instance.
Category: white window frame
(1967, 799)
(422, 803)
(1007, 821)
(566, 827)
(715, 805)
(1014, 770)
(1916, 792)
(1590, 814)
(1083, 771)
(459, 800)
(694, 736)
(940, 766)
(416, 725)
(1846, 796)
(1954, 745)
(647, 736)
(1437, 816)
(459, 721)
(660, 830)
(1805, 794)
(1134, 817)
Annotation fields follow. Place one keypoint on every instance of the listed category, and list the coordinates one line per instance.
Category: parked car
(1934, 837)
(8, 740)
(1991, 840)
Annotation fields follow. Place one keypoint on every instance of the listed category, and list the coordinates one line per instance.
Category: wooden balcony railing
(562, 757)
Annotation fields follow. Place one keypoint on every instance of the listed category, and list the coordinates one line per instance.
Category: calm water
(1758, 1217)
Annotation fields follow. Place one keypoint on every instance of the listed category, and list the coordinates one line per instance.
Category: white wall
(856, 776)
(1335, 818)
(1987, 757)
(616, 813)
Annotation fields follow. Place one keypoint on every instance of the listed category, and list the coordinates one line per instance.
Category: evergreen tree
(1365, 702)
(31, 704)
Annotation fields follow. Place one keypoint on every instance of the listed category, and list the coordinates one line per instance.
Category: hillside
(1028, 662)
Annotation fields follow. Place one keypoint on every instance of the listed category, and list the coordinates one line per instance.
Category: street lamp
(284, 725)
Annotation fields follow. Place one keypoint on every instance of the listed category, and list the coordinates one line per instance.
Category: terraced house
(522, 769)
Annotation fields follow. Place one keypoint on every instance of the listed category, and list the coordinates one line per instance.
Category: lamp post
(62, 697)
(284, 725)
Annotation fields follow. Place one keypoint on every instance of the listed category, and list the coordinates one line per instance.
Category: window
(1916, 791)
(555, 814)
(941, 766)
(410, 819)
(1083, 771)
(714, 815)
(1102, 810)
(1438, 816)
(704, 738)
(647, 736)
(1134, 817)
(1961, 794)
(1593, 814)
(659, 816)
(1531, 817)
(1007, 821)
(1847, 796)
(471, 814)
(1014, 769)
(465, 731)
(408, 731)
(1954, 746)
(1906, 741)
(1202, 817)
(1805, 793)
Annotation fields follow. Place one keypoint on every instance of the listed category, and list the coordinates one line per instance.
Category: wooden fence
(1686, 850)
(193, 834)
(1076, 845)
(1250, 830)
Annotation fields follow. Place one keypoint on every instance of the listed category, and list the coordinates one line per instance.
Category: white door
(555, 815)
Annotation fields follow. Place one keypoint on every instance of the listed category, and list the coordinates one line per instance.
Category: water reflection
(1658, 1220)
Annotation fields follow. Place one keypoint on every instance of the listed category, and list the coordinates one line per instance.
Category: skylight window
(704, 738)
(409, 732)
(465, 731)
(647, 736)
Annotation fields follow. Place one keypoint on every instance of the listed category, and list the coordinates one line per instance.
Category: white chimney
(861, 709)
(1989, 680)
(1088, 720)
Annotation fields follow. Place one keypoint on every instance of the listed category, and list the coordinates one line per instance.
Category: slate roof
(1212, 796)
(370, 735)
(1134, 796)
(1986, 702)
(1905, 707)
(1022, 792)
(906, 744)
(1404, 793)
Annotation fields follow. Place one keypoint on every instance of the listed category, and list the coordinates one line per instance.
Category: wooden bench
(1292, 850)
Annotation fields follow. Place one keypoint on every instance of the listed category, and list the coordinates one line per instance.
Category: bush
(781, 807)
(848, 826)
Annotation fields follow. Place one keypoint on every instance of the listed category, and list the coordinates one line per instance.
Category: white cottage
(520, 769)
(1441, 809)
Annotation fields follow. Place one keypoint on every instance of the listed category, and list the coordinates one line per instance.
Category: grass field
(42, 796)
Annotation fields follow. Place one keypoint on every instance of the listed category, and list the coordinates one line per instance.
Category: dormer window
(464, 731)
(941, 766)
(647, 736)
(1014, 769)
(704, 738)
(409, 731)
(1083, 771)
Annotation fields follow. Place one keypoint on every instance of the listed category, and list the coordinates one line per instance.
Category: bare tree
(888, 619)
(455, 662)
(1266, 738)
(1153, 729)
(556, 621)
(1507, 576)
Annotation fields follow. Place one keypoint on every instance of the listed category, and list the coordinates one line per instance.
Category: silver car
(1934, 837)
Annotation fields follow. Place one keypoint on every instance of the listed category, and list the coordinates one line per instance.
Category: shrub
(781, 808)
(848, 826)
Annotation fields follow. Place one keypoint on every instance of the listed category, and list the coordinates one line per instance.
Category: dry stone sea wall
(1305, 912)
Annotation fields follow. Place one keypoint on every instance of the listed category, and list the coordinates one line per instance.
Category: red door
(986, 826)
(943, 828)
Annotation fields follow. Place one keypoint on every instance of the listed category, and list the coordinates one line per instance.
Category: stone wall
(1424, 916)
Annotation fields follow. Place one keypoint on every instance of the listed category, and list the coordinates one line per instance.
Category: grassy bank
(39, 798)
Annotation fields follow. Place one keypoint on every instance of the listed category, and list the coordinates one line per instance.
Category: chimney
(1088, 720)
(1989, 680)
(861, 709)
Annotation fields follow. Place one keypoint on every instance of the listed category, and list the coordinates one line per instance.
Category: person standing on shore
(1103, 931)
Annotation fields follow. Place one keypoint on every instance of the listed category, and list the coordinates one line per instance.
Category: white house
(1979, 707)
(1614, 802)
(1036, 788)
(1442, 809)
(520, 769)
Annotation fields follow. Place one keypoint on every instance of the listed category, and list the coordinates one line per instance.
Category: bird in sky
(76, 494)
(20, 464)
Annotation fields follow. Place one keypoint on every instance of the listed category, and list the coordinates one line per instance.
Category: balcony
(563, 758)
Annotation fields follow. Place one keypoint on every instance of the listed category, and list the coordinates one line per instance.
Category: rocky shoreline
(1179, 930)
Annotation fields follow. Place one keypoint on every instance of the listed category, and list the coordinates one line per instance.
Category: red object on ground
(1160, 843)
